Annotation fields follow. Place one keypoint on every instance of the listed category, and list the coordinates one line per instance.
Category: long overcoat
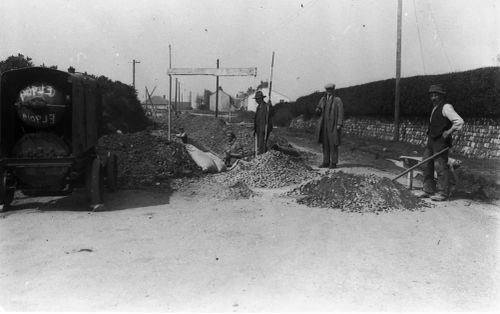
(332, 115)
(260, 118)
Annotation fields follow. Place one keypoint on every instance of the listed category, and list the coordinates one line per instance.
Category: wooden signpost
(213, 72)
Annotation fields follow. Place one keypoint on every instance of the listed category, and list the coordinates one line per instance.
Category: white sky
(347, 42)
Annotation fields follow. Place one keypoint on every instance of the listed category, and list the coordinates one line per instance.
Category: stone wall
(479, 138)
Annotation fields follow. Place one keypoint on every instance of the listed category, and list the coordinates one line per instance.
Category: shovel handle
(420, 163)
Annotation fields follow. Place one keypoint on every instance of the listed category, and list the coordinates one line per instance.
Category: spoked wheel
(6, 191)
(95, 182)
(112, 172)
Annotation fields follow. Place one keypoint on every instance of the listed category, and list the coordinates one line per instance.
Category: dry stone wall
(479, 138)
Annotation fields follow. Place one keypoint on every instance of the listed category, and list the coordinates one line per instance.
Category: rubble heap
(238, 190)
(147, 160)
(273, 169)
(208, 133)
(357, 193)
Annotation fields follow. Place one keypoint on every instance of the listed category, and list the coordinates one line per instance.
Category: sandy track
(158, 252)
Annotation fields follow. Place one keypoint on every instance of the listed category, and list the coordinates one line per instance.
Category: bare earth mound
(145, 160)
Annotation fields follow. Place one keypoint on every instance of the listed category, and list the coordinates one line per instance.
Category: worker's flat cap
(330, 86)
(437, 88)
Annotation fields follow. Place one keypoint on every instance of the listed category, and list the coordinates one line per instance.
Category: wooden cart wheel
(6, 193)
(112, 172)
(95, 184)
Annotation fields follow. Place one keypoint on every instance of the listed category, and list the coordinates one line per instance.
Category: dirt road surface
(186, 251)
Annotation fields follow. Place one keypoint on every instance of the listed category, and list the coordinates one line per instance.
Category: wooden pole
(267, 107)
(133, 71)
(217, 93)
(169, 89)
(398, 73)
(175, 95)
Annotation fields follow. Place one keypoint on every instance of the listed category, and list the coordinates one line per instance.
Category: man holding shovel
(443, 122)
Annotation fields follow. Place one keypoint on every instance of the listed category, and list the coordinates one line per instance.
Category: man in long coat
(263, 118)
(330, 125)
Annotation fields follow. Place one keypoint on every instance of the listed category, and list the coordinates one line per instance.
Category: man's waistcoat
(438, 123)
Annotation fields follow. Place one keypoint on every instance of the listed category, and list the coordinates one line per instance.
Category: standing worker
(331, 109)
(262, 122)
(442, 123)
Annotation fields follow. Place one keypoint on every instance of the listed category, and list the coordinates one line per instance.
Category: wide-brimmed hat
(437, 88)
(259, 94)
(330, 86)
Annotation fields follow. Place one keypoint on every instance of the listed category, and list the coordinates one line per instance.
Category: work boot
(323, 166)
(438, 197)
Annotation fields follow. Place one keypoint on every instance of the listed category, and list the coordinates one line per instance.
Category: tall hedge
(121, 107)
(472, 93)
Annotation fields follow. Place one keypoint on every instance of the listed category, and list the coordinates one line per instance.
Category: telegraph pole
(175, 97)
(169, 88)
(398, 73)
(133, 71)
(217, 93)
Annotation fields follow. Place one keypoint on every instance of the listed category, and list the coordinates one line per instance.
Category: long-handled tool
(420, 163)
(268, 105)
(256, 146)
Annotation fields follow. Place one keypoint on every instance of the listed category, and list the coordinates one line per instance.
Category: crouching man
(234, 150)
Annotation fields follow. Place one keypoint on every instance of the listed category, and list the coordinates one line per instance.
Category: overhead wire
(419, 37)
(438, 35)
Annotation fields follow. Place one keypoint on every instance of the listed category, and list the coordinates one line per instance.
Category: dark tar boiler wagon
(49, 128)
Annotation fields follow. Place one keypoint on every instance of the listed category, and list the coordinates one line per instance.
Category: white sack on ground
(219, 163)
(202, 159)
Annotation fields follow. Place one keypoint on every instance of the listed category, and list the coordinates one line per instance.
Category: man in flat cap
(331, 109)
(442, 123)
(262, 122)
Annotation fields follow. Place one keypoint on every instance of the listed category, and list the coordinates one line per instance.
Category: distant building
(159, 106)
(250, 104)
(225, 101)
(156, 107)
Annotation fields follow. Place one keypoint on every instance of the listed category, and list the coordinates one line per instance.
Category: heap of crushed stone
(238, 190)
(357, 193)
(273, 169)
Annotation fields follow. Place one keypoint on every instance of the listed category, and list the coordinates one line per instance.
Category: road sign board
(213, 71)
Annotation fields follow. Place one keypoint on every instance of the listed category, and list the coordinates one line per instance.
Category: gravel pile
(238, 190)
(273, 169)
(147, 160)
(357, 193)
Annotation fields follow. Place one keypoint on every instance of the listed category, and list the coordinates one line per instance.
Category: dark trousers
(439, 164)
(330, 152)
(261, 143)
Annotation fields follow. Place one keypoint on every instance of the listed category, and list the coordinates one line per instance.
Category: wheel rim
(6, 194)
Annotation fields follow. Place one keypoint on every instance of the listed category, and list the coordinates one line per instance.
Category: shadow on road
(119, 200)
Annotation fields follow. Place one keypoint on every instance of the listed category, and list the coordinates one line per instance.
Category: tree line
(473, 93)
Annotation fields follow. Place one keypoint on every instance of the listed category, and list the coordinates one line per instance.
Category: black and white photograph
(249, 156)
